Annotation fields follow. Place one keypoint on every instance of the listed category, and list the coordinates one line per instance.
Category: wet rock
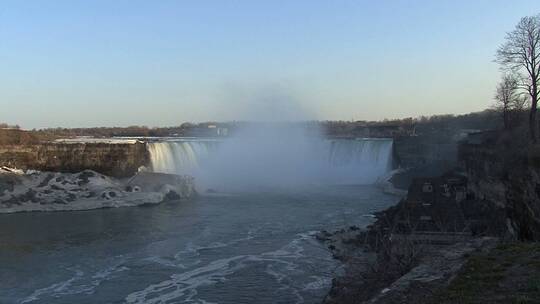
(130, 188)
(46, 180)
(164, 183)
(171, 196)
(29, 195)
(84, 177)
(110, 194)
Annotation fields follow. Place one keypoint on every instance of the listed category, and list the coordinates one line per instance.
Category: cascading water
(341, 161)
(361, 160)
(182, 156)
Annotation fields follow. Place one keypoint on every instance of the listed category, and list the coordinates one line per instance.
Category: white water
(233, 162)
(181, 156)
(360, 161)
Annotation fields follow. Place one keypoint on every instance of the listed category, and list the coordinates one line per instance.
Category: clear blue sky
(157, 63)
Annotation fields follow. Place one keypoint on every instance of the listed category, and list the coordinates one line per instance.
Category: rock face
(48, 191)
(174, 186)
(414, 247)
(423, 242)
(119, 159)
(367, 277)
(423, 156)
(507, 177)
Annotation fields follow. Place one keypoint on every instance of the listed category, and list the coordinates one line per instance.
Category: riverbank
(407, 254)
(414, 247)
(54, 191)
(459, 237)
(479, 270)
(400, 271)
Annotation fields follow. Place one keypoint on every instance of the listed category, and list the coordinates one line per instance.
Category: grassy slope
(508, 274)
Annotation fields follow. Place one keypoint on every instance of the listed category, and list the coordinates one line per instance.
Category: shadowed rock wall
(118, 160)
(417, 151)
(508, 176)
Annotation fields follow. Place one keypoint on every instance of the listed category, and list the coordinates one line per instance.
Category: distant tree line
(130, 131)
(435, 125)
(4, 125)
(15, 136)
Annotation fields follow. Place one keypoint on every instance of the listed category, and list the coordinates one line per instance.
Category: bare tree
(521, 103)
(521, 54)
(507, 97)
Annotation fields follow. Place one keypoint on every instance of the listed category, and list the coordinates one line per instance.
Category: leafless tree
(507, 97)
(521, 54)
(521, 103)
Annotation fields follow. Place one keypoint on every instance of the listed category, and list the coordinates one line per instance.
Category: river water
(235, 248)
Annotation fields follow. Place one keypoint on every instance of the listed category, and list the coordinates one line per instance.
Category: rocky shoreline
(414, 248)
(407, 273)
(427, 247)
(53, 191)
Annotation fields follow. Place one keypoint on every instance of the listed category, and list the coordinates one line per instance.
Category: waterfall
(180, 157)
(363, 160)
(358, 161)
(370, 152)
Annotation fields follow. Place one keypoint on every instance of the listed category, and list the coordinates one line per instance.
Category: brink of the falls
(232, 163)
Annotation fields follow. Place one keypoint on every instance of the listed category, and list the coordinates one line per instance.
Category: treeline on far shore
(425, 125)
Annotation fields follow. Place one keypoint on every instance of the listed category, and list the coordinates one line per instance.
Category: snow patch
(53, 191)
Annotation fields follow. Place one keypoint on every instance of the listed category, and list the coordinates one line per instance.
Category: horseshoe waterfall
(338, 161)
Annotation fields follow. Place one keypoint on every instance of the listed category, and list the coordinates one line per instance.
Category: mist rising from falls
(273, 156)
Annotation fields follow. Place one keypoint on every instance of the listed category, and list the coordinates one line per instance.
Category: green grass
(510, 273)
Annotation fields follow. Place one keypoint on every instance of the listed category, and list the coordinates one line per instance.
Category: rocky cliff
(506, 174)
(113, 159)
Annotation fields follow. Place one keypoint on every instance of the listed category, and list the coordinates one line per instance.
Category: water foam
(281, 264)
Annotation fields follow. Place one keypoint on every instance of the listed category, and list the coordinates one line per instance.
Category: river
(243, 247)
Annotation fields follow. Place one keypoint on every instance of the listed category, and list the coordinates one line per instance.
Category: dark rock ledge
(415, 248)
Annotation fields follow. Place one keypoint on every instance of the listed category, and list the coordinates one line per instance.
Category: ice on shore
(53, 191)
